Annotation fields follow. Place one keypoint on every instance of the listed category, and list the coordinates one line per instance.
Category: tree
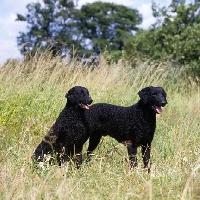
(92, 28)
(49, 25)
(107, 25)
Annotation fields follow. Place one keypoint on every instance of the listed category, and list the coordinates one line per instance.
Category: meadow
(32, 96)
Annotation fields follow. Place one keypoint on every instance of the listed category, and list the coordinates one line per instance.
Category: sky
(9, 28)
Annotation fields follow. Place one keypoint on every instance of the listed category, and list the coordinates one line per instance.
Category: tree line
(100, 26)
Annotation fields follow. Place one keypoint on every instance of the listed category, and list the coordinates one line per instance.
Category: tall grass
(32, 96)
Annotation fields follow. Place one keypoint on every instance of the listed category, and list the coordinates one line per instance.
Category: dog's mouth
(158, 109)
(84, 106)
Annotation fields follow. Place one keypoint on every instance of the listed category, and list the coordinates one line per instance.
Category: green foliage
(174, 36)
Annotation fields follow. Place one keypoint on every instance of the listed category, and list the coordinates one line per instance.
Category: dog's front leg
(64, 155)
(146, 151)
(94, 140)
(78, 152)
(132, 153)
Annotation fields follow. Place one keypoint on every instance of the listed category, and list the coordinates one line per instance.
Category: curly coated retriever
(133, 126)
(68, 134)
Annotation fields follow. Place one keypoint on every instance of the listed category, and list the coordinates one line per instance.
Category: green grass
(32, 96)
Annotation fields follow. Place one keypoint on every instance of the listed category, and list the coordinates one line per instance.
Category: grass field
(32, 96)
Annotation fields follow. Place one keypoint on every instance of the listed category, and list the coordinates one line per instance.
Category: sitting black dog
(67, 136)
(133, 126)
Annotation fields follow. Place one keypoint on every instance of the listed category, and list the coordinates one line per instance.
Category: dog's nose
(90, 101)
(163, 103)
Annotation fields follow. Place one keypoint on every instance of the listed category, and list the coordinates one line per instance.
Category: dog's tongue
(86, 107)
(158, 109)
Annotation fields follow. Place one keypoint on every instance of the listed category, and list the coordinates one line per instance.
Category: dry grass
(32, 95)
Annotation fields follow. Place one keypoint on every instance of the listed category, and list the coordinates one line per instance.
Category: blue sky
(10, 28)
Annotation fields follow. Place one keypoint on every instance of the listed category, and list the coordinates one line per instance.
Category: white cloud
(18, 5)
(9, 51)
(10, 28)
(9, 31)
(146, 11)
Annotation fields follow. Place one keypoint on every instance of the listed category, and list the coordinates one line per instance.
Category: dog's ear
(144, 94)
(70, 96)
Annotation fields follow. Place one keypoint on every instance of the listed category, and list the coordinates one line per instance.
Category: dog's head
(155, 97)
(79, 96)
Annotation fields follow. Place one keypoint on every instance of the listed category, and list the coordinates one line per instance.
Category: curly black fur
(133, 126)
(68, 134)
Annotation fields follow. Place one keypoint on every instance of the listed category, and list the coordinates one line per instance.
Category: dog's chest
(145, 133)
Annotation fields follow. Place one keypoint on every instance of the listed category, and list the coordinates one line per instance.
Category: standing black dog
(133, 126)
(67, 136)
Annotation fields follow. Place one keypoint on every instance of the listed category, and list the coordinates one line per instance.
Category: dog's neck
(146, 109)
(74, 108)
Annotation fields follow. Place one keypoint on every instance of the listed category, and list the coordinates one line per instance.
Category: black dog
(67, 136)
(133, 126)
